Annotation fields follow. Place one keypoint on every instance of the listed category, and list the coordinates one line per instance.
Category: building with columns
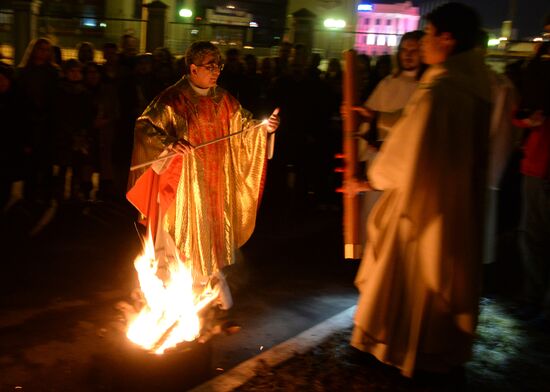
(380, 26)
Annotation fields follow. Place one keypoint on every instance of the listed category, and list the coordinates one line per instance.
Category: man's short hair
(461, 21)
(198, 50)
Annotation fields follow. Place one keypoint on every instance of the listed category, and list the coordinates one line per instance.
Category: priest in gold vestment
(202, 202)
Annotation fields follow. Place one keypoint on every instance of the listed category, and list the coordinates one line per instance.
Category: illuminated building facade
(380, 26)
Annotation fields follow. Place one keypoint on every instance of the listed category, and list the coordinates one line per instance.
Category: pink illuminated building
(380, 26)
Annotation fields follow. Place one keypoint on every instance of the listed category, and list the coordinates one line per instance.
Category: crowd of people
(71, 121)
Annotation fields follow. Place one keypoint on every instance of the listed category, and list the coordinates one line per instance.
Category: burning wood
(171, 309)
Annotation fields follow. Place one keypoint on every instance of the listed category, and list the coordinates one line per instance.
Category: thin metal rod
(171, 155)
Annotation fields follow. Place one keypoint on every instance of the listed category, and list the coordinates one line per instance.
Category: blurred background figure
(282, 61)
(504, 138)
(11, 152)
(110, 68)
(534, 116)
(251, 96)
(129, 48)
(163, 69)
(57, 55)
(146, 86)
(36, 80)
(85, 52)
(232, 75)
(363, 76)
(382, 68)
(75, 142)
(105, 114)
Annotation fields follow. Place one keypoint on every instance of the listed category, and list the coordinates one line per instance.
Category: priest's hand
(181, 147)
(273, 121)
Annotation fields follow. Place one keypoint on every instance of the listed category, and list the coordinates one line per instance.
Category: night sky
(529, 13)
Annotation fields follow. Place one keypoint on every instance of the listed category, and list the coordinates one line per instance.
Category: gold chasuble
(205, 200)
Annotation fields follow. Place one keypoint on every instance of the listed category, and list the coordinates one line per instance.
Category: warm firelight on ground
(170, 313)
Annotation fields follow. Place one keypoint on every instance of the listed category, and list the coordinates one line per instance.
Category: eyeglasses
(212, 67)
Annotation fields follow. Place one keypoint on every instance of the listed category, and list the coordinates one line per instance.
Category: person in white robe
(386, 104)
(419, 279)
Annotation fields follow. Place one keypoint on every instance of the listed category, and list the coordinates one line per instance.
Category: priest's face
(435, 47)
(205, 74)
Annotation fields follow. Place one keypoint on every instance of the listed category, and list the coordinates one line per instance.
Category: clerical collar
(409, 74)
(199, 90)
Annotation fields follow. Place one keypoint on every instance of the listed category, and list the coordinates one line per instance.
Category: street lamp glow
(334, 23)
(493, 42)
(185, 13)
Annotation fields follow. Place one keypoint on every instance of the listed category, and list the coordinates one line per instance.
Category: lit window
(371, 38)
(381, 40)
(392, 40)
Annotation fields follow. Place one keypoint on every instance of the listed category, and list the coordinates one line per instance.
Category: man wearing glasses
(200, 204)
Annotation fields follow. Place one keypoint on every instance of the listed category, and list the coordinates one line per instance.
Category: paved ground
(59, 324)
(60, 329)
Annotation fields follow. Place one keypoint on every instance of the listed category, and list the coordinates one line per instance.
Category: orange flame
(170, 314)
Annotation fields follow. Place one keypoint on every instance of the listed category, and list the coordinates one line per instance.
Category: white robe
(419, 277)
(388, 99)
